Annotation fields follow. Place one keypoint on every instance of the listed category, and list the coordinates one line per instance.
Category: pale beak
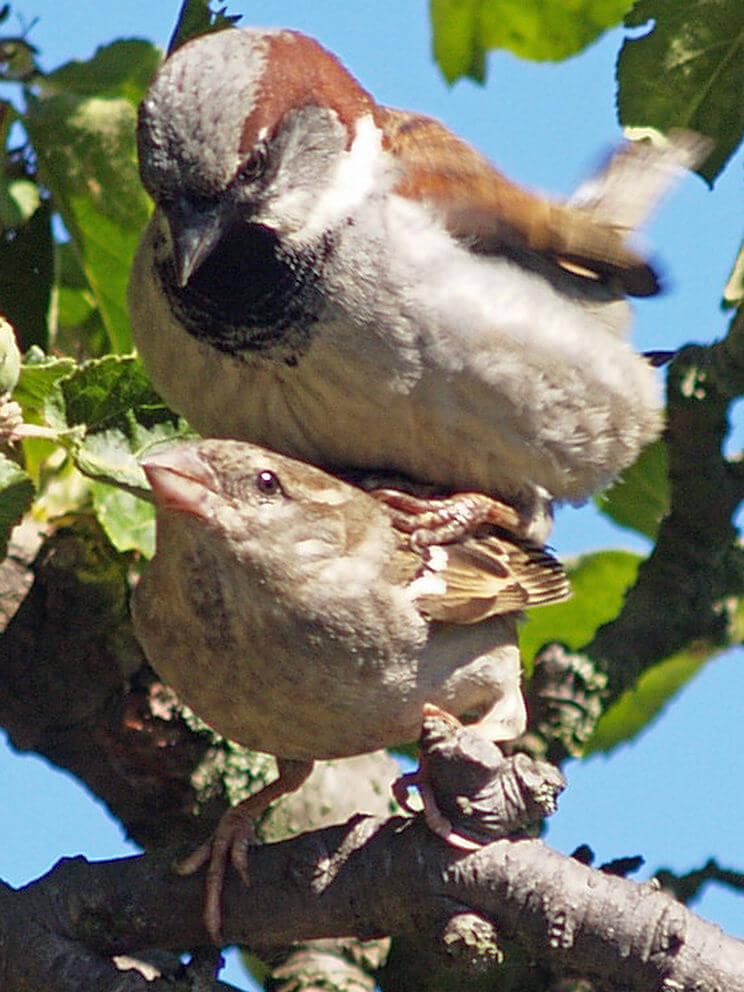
(181, 480)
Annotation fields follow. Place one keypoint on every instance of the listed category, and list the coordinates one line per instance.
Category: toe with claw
(234, 835)
(442, 520)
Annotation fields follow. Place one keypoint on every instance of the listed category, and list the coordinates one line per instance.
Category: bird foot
(434, 818)
(442, 520)
(472, 793)
(234, 835)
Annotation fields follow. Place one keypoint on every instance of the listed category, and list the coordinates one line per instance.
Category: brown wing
(479, 205)
(493, 575)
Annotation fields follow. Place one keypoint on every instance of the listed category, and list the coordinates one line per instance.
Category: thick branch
(685, 589)
(571, 918)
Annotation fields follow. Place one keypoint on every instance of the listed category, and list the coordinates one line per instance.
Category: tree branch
(572, 919)
(685, 589)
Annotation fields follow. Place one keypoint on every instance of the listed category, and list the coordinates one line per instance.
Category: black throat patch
(250, 294)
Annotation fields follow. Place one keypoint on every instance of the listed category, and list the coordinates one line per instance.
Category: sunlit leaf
(123, 417)
(599, 582)
(122, 69)
(39, 373)
(464, 30)
(129, 522)
(640, 497)
(733, 294)
(86, 155)
(19, 201)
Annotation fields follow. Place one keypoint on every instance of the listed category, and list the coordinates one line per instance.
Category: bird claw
(442, 520)
(230, 842)
(434, 818)
(228, 845)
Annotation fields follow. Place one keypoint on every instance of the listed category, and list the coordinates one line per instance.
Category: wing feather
(481, 207)
(485, 576)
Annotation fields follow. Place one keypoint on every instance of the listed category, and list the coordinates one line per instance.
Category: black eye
(267, 483)
(255, 165)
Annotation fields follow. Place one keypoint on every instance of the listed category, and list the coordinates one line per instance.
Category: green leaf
(455, 41)
(79, 326)
(16, 495)
(26, 276)
(686, 72)
(39, 373)
(463, 30)
(104, 394)
(86, 155)
(10, 358)
(123, 417)
(640, 497)
(195, 18)
(129, 522)
(599, 582)
(637, 707)
(122, 69)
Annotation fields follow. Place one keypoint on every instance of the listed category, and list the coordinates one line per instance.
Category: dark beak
(195, 232)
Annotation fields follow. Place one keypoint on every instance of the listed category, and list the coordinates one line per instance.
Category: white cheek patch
(359, 173)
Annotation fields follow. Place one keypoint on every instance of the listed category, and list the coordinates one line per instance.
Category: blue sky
(675, 794)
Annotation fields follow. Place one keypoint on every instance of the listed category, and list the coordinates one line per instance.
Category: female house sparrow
(286, 608)
(355, 286)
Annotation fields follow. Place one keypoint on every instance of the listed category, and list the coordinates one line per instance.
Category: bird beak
(181, 480)
(195, 233)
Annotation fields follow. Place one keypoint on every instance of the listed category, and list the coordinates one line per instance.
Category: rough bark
(571, 919)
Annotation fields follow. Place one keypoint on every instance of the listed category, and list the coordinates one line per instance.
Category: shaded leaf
(639, 499)
(26, 276)
(599, 582)
(16, 495)
(686, 72)
(464, 30)
(86, 155)
(122, 69)
(195, 18)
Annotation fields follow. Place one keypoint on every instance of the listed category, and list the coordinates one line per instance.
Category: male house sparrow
(286, 608)
(355, 286)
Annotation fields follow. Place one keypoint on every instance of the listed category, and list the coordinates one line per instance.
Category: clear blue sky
(675, 794)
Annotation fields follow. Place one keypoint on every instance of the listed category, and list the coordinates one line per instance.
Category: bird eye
(267, 483)
(255, 165)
